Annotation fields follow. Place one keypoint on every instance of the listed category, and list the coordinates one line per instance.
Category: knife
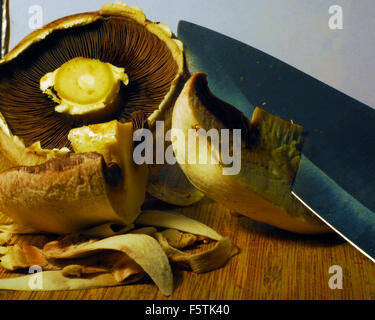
(336, 175)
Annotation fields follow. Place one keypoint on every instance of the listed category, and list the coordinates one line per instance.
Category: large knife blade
(336, 177)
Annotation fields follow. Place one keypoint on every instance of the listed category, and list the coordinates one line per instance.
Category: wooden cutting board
(272, 264)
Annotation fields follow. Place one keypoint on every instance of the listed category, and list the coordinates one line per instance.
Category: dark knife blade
(336, 178)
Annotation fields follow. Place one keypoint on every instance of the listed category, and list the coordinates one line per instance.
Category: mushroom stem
(85, 87)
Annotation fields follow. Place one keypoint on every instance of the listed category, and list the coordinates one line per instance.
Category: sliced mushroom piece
(63, 196)
(268, 154)
(141, 248)
(114, 140)
(83, 190)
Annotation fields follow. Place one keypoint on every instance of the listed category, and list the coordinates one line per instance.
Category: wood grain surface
(272, 265)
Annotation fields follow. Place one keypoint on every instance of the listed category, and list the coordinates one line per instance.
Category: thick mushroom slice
(83, 189)
(114, 140)
(49, 82)
(61, 196)
(266, 158)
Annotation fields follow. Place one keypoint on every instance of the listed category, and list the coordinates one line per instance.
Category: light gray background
(295, 31)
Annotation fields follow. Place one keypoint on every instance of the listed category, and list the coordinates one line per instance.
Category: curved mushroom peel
(55, 280)
(269, 158)
(80, 261)
(143, 249)
(201, 262)
(175, 220)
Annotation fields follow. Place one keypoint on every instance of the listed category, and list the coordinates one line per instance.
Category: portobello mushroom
(83, 84)
(116, 38)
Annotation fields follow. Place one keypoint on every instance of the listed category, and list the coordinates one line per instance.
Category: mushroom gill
(118, 35)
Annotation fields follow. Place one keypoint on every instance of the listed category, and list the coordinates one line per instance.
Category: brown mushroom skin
(269, 160)
(61, 195)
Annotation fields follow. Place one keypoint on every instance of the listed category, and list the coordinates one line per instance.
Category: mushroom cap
(118, 34)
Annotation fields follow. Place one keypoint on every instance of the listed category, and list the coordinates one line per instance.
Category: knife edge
(336, 207)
